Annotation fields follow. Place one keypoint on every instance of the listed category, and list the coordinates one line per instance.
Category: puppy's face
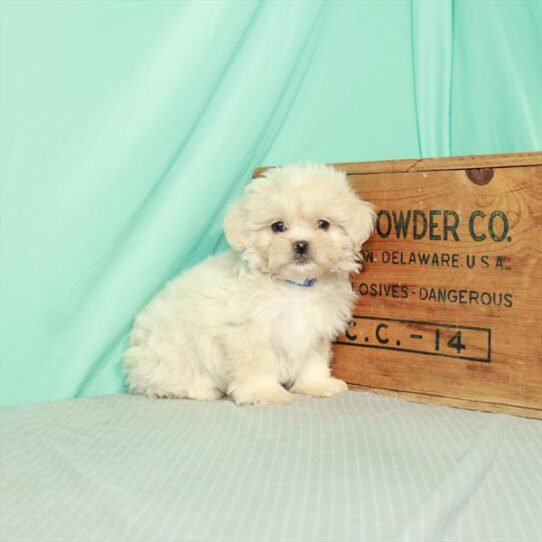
(300, 222)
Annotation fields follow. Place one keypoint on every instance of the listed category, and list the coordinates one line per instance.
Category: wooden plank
(455, 403)
(435, 164)
(451, 297)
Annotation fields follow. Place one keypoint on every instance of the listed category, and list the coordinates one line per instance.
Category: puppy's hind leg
(163, 393)
(184, 382)
(155, 374)
(201, 391)
(204, 391)
(264, 392)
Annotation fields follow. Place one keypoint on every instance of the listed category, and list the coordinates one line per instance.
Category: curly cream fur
(235, 325)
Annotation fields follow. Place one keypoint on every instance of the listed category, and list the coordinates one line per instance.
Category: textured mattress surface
(358, 467)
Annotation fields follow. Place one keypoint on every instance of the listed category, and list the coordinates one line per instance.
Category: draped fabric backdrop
(127, 126)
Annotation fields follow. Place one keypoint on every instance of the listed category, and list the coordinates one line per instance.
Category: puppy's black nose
(301, 247)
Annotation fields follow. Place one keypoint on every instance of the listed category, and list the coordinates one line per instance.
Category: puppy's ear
(234, 226)
(362, 222)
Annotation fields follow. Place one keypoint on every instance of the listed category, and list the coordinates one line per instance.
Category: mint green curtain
(127, 126)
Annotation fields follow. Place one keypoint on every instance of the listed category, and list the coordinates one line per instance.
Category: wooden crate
(450, 304)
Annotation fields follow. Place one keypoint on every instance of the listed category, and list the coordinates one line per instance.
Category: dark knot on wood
(480, 176)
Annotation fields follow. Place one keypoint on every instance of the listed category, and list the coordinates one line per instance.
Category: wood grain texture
(456, 403)
(451, 296)
(436, 164)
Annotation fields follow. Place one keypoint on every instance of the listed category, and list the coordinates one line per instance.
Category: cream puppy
(256, 323)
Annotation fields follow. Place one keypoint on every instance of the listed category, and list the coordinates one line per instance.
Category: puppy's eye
(323, 225)
(278, 227)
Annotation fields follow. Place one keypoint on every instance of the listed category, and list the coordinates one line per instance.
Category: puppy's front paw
(325, 387)
(261, 394)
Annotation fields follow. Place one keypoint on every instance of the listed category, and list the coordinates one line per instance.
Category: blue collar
(307, 283)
